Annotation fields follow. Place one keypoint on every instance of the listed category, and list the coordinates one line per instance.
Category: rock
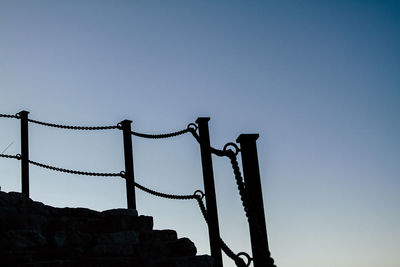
(181, 247)
(34, 234)
(127, 212)
(22, 239)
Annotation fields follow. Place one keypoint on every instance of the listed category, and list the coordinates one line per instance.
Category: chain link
(85, 128)
(72, 171)
(10, 156)
(8, 116)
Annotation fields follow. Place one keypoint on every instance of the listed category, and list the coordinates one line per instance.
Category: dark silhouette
(249, 186)
(33, 234)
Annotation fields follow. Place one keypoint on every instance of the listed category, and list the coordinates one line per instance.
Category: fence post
(209, 188)
(257, 225)
(129, 176)
(24, 152)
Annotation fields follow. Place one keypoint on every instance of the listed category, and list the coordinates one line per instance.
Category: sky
(318, 80)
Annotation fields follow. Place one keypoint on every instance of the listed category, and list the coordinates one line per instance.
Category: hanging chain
(248, 208)
(70, 171)
(8, 116)
(239, 182)
(85, 128)
(235, 257)
(10, 156)
(161, 136)
(198, 195)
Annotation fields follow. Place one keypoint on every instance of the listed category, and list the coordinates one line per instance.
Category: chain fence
(230, 150)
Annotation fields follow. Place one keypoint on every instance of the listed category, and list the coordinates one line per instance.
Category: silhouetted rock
(34, 234)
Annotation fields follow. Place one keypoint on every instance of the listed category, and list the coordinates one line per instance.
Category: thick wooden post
(24, 153)
(209, 188)
(257, 224)
(129, 176)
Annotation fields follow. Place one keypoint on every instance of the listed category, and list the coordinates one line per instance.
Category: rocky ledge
(34, 234)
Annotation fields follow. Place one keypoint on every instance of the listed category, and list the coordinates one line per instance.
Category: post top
(126, 121)
(202, 119)
(247, 138)
(23, 112)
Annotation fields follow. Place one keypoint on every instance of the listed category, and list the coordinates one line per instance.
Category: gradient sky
(318, 80)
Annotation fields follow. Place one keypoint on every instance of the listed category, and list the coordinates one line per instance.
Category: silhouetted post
(257, 225)
(209, 188)
(24, 152)
(129, 177)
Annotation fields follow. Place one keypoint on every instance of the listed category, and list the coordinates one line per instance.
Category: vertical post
(24, 153)
(209, 188)
(129, 177)
(257, 224)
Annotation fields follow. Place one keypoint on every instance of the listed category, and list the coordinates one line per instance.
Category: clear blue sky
(318, 80)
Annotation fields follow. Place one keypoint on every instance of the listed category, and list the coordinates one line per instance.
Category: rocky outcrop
(34, 234)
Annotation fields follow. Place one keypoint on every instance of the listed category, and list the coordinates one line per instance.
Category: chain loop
(226, 150)
(192, 127)
(199, 193)
(249, 259)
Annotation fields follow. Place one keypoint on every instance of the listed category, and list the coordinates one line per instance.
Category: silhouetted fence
(249, 187)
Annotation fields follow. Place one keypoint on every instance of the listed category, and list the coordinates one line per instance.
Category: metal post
(24, 153)
(209, 188)
(257, 225)
(129, 177)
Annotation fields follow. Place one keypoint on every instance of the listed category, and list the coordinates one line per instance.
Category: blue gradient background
(318, 80)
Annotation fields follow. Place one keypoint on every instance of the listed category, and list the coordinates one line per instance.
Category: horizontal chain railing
(8, 116)
(70, 127)
(230, 150)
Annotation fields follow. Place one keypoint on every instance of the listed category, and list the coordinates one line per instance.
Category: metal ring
(119, 126)
(199, 193)
(18, 156)
(122, 173)
(249, 259)
(236, 151)
(192, 127)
